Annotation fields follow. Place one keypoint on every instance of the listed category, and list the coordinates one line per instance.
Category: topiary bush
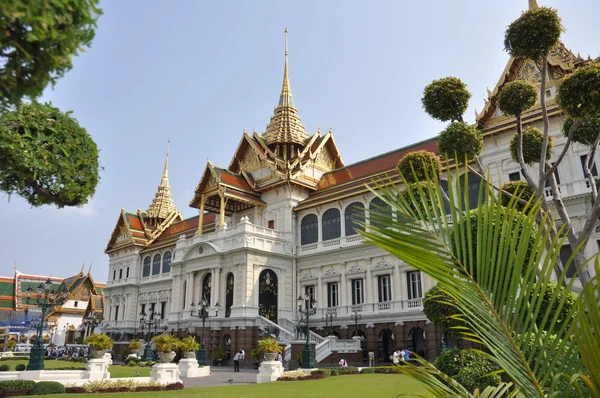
(533, 139)
(131, 363)
(520, 189)
(424, 163)
(563, 317)
(468, 367)
(335, 372)
(460, 141)
(13, 385)
(326, 372)
(4, 368)
(174, 386)
(47, 387)
(586, 133)
(579, 93)
(533, 34)
(446, 99)
(20, 367)
(516, 97)
(438, 307)
(367, 370)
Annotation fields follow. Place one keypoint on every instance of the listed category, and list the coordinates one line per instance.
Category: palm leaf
(497, 277)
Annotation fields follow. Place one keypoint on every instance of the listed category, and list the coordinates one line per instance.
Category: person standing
(236, 361)
(343, 362)
(371, 358)
(396, 357)
(243, 357)
(406, 354)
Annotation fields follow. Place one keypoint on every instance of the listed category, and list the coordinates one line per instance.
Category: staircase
(287, 333)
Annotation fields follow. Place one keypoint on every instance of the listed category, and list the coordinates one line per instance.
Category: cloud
(88, 210)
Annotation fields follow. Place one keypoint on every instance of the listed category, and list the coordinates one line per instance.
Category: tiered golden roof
(285, 126)
(162, 205)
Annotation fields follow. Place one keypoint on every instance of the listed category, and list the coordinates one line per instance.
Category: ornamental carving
(324, 159)
(331, 272)
(308, 275)
(124, 234)
(382, 265)
(530, 73)
(355, 268)
(251, 162)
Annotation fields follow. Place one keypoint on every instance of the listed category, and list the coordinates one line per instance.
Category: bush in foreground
(47, 387)
(467, 367)
(13, 385)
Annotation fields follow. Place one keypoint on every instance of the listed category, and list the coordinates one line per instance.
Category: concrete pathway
(220, 375)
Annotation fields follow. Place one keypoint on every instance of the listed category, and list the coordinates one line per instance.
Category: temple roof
(355, 178)
(285, 125)
(162, 205)
(187, 227)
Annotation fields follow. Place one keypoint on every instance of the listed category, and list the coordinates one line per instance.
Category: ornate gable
(128, 231)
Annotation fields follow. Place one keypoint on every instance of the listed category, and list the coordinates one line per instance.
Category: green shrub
(470, 368)
(347, 370)
(20, 367)
(326, 372)
(4, 368)
(533, 34)
(47, 387)
(533, 139)
(13, 385)
(520, 189)
(425, 164)
(131, 363)
(387, 369)
(367, 370)
(460, 141)
(335, 372)
(586, 133)
(446, 99)
(516, 97)
(150, 363)
(579, 94)
(438, 306)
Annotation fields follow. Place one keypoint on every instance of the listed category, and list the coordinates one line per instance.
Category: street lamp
(202, 314)
(310, 306)
(46, 299)
(356, 317)
(328, 316)
(148, 320)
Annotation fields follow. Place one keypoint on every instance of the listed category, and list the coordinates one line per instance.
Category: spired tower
(162, 205)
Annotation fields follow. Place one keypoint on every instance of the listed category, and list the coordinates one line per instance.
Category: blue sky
(200, 72)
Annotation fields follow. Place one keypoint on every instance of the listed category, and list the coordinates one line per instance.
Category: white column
(322, 291)
(216, 285)
(396, 283)
(189, 290)
(368, 282)
(343, 291)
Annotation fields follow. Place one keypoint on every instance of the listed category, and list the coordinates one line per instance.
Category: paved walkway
(220, 375)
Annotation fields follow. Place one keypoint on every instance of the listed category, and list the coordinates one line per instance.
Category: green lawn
(368, 385)
(115, 370)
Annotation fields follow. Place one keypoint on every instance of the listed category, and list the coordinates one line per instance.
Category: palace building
(280, 221)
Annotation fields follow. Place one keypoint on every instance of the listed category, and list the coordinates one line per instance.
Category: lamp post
(355, 316)
(148, 320)
(310, 305)
(46, 299)
(328, 316)
(202, 314)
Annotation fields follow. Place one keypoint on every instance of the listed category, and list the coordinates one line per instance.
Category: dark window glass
(163, 309)
(413, 279)
(357, 292)
(474, 183)
(385, 288)
(332, 294)
(166, 266)
(127, 273)
(271, 224)
(146, 269)
(143, 309)
(354, 214)
(593, 169)
(377, 208)
(565, 254)
(309, 229)
(117, 313)
(444, 186)
(516, 176)
(156, 265)
(121, 273)
(557, 179)
(114, 275)
(331, 224)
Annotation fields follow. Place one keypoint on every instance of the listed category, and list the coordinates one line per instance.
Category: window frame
(358, 291)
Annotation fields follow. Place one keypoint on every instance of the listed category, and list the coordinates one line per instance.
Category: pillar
(368, 282)
(343, 294)
(201, 214)
(216, 285)
(222, 211)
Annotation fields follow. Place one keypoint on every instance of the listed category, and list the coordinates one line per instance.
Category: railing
(346, 311)
(323, 350)
(287, 353)
(122, 281)
(285, 336)
(332, 242)
(290, 326)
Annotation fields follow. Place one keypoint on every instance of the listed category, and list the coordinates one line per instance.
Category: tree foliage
(38, 41)
(416, 166)
(550, 298)
(587, 132)
(439, 308)
(460, 141)
(446, 99)
(516, 189)
(468, 367)
(579, 94)
(533, 34)
(47, 157)
(516, 97)
(533, 139)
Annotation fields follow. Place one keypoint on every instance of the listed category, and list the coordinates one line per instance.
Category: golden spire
(285, 125)
(163, 204)
(533, 5)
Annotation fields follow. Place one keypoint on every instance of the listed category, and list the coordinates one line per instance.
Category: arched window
(354, 214)
(473, 189)
(206, 287)
(228, 295)
(166, 267)
(377, 209)
(332, 228)
(309, 229)
(146, 268)
(156, 265)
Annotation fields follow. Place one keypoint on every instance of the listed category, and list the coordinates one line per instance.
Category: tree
(498, 292)
(45, 156)
(532, 37)
(38, 42)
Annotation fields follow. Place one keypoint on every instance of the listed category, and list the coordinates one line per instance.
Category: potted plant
(166, 344)
(270, 347)
(99, 344)
(135, 346)
(219, 355)
(11, 344)
(189, 346)
(255, 357)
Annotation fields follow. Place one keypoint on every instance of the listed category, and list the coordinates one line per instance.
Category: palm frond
(497, 276)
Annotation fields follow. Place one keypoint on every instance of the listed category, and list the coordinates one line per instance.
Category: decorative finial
(15, 266)
(90, 268)
(163, 204)
(82, 265)
(533, 5)
(285, 99)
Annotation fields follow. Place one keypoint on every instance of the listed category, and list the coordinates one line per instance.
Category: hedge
(14, 393)
(14, 385)
(4, 368)
(47, 387)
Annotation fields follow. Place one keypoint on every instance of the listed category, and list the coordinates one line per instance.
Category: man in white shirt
(236, 361)
(396, 357)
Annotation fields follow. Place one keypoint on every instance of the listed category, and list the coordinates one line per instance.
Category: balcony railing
(343, 241)
(346, 311)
